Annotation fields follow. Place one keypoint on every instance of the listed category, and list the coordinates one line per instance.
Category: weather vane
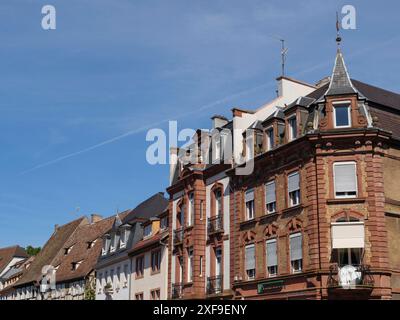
(338, 38)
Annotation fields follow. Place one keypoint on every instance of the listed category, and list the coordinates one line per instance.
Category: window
(341, 114)
(292, 128)
(90, 244)
(270, 138)
(272, 258)
(68, 250)
(218, 261)
(296, 252)
(114, 241)
(345, 179)
(75, 265)
(139, 266)
(112, 276)
(270, 197)
(250, 262)
(125, 274)
(180, 260)
(249, 199)
(155, 294)
(349, 256)
(118, 275)
(249, 146)
(139, 296)
(164, 223)
(181, 215)
(106, 244)
(294, 189)
(147, 231)
(155, 261)
(218, 202)
(190, 264)
(190, 218)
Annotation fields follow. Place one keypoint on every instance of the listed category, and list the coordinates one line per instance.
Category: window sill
(345, 200)
(248, 222)
(155, 272)
(294, 208)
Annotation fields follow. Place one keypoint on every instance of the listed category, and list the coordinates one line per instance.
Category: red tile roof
(7, 254)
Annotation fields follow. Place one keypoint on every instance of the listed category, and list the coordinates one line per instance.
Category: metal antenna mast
(283, 55)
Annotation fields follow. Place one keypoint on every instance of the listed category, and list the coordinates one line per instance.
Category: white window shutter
(249, 195)
(345, 177)
(296, 251)
(270, 192)
(272, 259)
(293, 182)
(250, 257)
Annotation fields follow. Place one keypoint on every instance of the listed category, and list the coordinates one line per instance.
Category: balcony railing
(176, 290)
(215, 225)
(178, 236)
(214, 285)
(349, 277)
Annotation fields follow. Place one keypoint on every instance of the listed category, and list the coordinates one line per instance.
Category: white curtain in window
(296, 252)
(250, 257)
(249, 195)
(272, 259)
(345, 177)
(294, 182)
(270, 192)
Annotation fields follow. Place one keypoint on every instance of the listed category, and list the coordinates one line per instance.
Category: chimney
(94, 217)
(218, 121)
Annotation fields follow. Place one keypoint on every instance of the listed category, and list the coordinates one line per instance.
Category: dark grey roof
(256, 125)
(151, 207)
(278, 114)
(301, 101)
(340, 81)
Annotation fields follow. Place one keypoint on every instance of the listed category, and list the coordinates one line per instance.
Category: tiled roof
(146, 243)
(80, 251)
(7, 254)
(49, 251)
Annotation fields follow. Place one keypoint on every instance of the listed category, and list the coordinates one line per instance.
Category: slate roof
(49, 252)
(8, 253)
(80, 252)
(340, 82)
(151, 207)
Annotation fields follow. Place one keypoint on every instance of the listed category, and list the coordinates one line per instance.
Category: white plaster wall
(149, 281)
(11, 263)
(120, 288)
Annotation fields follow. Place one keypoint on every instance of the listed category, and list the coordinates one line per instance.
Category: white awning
(347, 235)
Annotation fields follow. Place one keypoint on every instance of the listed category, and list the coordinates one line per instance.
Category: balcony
(214, 285)
(350, 276)
(178, 236)
(215, 225)
(176, 290)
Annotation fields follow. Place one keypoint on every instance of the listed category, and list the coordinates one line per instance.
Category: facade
(316, 217)
(201, 238)
(114, 266)
(149, 256)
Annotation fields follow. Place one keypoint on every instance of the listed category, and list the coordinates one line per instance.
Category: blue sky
(113, 67)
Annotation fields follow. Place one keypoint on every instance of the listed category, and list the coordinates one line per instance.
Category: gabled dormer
(341, 107)
(274, 129)
(296, 115)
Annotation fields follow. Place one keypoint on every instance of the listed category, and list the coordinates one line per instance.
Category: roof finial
(338, 38)
(283, 55)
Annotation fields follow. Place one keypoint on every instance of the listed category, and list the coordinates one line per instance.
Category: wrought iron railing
(215, 224)
(176, 290)
(355, 275)
(178, 236)
(214, 285)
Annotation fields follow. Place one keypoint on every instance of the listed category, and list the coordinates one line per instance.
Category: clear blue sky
(113, 67)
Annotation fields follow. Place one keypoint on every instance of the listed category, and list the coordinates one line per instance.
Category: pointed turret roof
(340, 82)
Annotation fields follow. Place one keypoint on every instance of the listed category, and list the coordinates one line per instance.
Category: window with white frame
(296, 252)
(292, 128)
(294, 189)
(218, 261)
(250, 260)
(156, 261)
(114, 242)
(106, 244)
(345, 179)
(270, 197)
(147, 231)
(190, 265)
(272, 257)
(123, 238)
(270, 138)
(249, 201)
(190, 218)
(341, 115)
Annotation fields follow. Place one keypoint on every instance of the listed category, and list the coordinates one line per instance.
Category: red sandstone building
(318, 217)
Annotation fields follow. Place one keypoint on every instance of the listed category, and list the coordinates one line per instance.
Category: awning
(347, 235)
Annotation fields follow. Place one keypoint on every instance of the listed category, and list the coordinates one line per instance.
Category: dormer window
(67, 250)
(124, 237)
(106, 244)
(147, 231)
(292, 128)
(90, 244)
(164, 223)
(114, 243)
(75, 265)
(341, 115)
(270, 138)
